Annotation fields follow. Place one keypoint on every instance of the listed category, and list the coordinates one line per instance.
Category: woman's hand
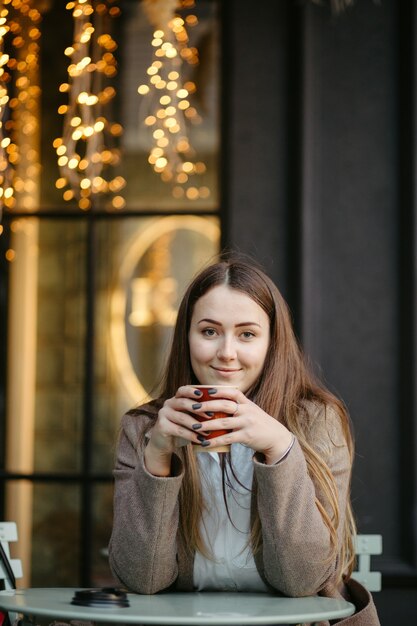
(249, 425)
(173, 428)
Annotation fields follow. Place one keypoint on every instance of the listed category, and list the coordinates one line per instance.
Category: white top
(233, 567)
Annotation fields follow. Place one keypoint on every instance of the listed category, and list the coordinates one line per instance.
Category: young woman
(274, 513)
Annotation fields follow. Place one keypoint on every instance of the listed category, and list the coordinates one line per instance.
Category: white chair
(8, 533)
(367, 545)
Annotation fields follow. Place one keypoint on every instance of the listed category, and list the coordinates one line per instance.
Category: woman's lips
(226, 372)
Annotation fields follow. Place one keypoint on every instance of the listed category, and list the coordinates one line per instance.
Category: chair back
(366, 546)
(8, 533)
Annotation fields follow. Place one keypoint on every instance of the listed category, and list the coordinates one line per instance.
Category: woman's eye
(247, 334)
(209, 332)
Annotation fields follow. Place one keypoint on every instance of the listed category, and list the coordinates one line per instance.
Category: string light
(84, 150)
(6, 187)
(168, 97)
(19, 158)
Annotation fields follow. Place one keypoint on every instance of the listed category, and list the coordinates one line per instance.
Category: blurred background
(138, 139)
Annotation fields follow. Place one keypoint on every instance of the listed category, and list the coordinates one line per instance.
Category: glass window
(190, 149)
(102, 524)
(139, 269)
(47, 326)
(89, 298)
(55, 535)
(144, 187)
(48, 525)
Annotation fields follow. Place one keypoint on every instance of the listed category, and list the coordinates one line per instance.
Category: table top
(215, 608)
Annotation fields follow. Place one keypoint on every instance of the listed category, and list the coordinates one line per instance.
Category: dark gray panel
(341, 116)
(335, 207)
(256, 133)
(351, 313)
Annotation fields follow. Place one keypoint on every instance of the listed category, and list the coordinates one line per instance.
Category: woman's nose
(227, 349)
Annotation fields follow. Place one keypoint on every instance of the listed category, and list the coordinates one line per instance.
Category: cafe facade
(140, 139)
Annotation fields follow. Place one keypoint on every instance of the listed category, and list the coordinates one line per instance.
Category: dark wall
(320, 186)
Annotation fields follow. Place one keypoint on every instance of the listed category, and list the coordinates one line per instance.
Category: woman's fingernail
(209, 413)
(197, 392)
(197, 405)
(201, 438)
(205, 443)
(212, 391)
(196, 426)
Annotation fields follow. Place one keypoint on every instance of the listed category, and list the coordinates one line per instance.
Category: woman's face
(228, 338)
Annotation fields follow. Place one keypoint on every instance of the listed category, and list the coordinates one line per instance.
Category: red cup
(217, 414)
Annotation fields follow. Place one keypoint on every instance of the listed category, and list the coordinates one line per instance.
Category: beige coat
(147, 554)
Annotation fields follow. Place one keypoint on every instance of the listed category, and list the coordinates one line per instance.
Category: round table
(179, 609)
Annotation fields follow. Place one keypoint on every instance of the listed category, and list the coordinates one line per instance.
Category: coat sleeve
(296, 541)
(143, 544)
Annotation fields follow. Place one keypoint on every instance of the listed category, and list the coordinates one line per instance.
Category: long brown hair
(284, 390)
